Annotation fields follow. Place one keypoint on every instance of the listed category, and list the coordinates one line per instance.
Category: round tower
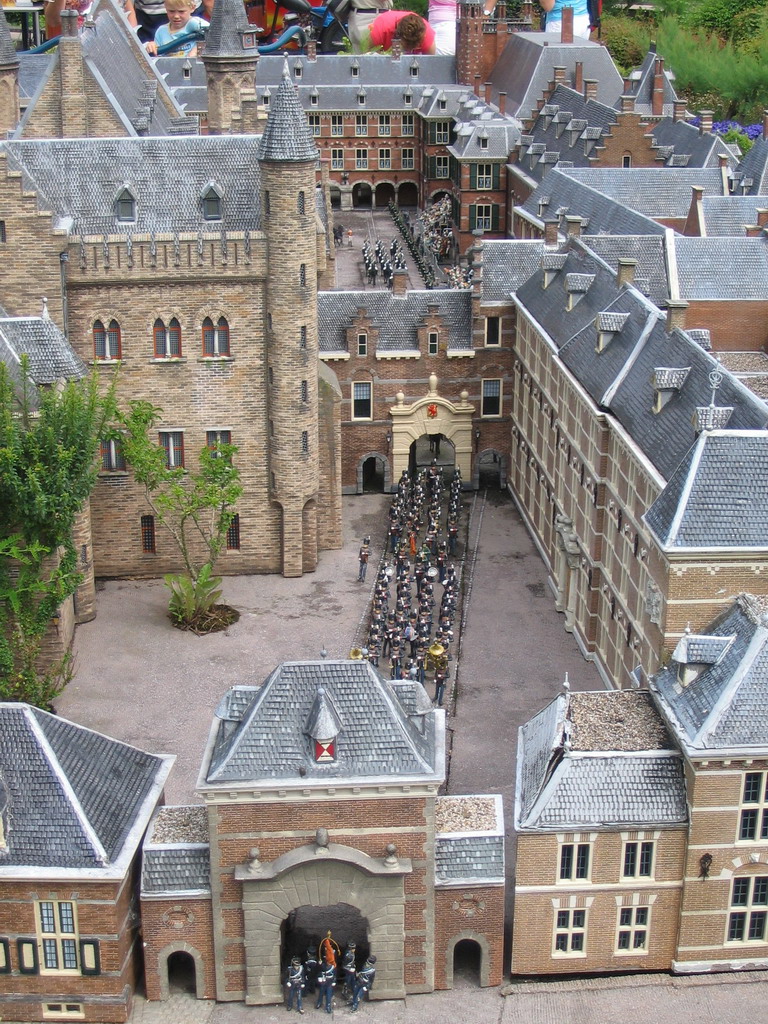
(230, 57)
(288, 160)
(9, 80)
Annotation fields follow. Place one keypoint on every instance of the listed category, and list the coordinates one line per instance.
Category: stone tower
(230, 57)
(9, 80)
(288, 161)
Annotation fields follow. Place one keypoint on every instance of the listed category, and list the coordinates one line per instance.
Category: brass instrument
(436, 657)
(356, 654)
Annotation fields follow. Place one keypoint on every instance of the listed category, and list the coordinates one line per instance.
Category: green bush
(627, 40)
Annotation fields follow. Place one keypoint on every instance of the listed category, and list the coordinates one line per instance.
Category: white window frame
(385, 159)
(63, 1011)
(407, 160)
(570, 923)
(362, 343)
(636, 922)
(500, 321)
(314, 124)
(361, 125)
(363, 386)
(433, 342)
(442, 167)
(337, 125)
(635, 850)
(484, 220)
(171, 450)
(442, 133)
(748, 910)
(754, 810)
(59, 942)
(484, 396)
(361, 159)
(408, 125)
(484, 177)
(385, 124)
(337, 159)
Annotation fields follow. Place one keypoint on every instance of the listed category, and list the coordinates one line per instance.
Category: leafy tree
(195, 506)
(48, 444)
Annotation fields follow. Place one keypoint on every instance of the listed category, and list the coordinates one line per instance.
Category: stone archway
(373, 474)
(169, 955)
(385, 194)
(362, 195)
(481, 942)
(490, 469)
(408, 193)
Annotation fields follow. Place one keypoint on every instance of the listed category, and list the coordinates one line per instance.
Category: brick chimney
(765, 124)
(399, 281)
(694, 223)
(502, 103)
(550, 231)
(625, 271)
(706, 121)
(566, 25)
(657, 100)
(487, 92)
(676, 314)
(627, 104)
(74, 103)
(476, 84)
(573, 225)
(590, 88)
(396, 48)
(753, 231)
(678, 110)
(578, 76)
(311, 50)
(560, 73)
(762, 216)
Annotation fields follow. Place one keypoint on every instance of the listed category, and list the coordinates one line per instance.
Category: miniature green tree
(195, 506)
(49, 438)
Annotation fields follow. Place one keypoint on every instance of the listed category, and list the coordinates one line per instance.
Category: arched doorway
(467, 960)
(335, 196)
(433, 446)
(489, 467)
(385, 194)
(374, 471)
(182, 974)
(408, 194)
(362, 196)
(305, 927)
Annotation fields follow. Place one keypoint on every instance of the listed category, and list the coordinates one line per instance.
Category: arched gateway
(435, 416)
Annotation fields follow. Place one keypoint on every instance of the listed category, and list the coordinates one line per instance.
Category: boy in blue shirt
(180, 24)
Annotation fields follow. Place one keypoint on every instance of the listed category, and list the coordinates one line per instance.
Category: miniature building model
(320, 790)
(74, 806)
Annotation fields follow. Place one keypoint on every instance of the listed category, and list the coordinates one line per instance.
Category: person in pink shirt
(442, 18)
(415, 34)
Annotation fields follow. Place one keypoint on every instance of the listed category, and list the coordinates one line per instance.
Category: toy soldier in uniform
(364, 981)
(326, 979)
(310, 970)
(294, 982)
(363, 559)
(441, 675)
(349, 967)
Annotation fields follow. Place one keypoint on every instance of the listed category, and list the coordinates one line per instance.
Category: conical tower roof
(287, 136)
(8, 55)
(224, 38)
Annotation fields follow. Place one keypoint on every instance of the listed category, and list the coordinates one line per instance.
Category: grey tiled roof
(376, 737)
(684, 140)
(648, 250)
(482, 140)
(506, 264)
(540, 736)
(371, 69)
(50, 356)
(751, 174)
(469, 859)
(718, 496)
(167, 176)
(33, 68)
(723, 708)
(396, 318)
(652, 191)
(74, 795)
(8, 55)
(700, 650)
(722, 268)
(223, 36)
(287, 136)
(729, 215)
(168, 870)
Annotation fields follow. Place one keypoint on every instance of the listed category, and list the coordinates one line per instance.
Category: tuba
(356, 654)
(437, 656)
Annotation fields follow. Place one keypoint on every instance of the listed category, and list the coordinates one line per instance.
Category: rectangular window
(337, 159)
(432, 343)
(570, 933)
(58, 941)
(172, 441)
(638, 860)
(216, 437)
(361, 400)
(442, 133)
(491, 405)
(484, 176)
(442, 166)
(112, 458)
(753, 820)
(408, 124)
(574, 861)
(148, 545)
(632, 930)
(385, 159)
(483, 216)
(233, 534)
(493, 331)
(337, 124)
(304, 391)
(302, 337)
(362, 344)
(63, 1011)
(361, 124)
(314, 123)
(406, 159)
(748, 924)
(3, 237)
(385, 124)
(305, 442)
(361, 159)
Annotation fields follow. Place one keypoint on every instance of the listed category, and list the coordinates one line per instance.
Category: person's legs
(357, 24)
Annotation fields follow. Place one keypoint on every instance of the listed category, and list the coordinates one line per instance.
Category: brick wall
(177, 925)
(475, 913)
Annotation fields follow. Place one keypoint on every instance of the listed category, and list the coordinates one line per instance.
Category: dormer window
(483, 142)
(552, 263)
(577, 286)
(125, 206)
(354, 67)
(323, 727)
(211, 200)
(696, 653)
(414, 69)
(314, 99)
(298, 70)
(361, 97)
(608, 325)
(325, 750)
(186, 68)
(267, 94)
(408, 97)
(668, 381)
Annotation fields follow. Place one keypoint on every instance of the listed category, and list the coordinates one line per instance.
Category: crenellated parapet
(183, 254)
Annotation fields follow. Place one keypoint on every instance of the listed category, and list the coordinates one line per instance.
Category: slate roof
(559, 788)
(640, 85)
(50, 356)
(396, 318)
(8, 55)
(702, 149)
(751, 174)
(223, 37)
(33, 67)
(651, 270)
(656, 192)
(526, 67)
(718, 495)
(469, 859)
(506, 264)
(167, 176)
(176, 870)
(355, 69)
(485, 139)
(723, 708)
(721, 268)
(730, 215)
(267, 742)
(287, 137)
(76, 799)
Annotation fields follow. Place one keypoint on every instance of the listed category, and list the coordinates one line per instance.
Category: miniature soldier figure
(364, 981)
(310, 970)
(453, 533)
(363, 559)
(294, 983)
(326, 979)
(349, 968)
(440, 677)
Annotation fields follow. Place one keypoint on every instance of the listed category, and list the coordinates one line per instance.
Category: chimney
(396, 49)
(627, 104)
(74, 103)
(762, 216)
(476, 85)
(69, 24)
(578, 76)
(678, 110)
(765, 124)
(487, 92)
(399, 281)
(676, 314)
(753, 231)
(311, 50)
(573, 225)
(657, 100)
(502, 103)
(625, 271)
(706, 121)
(560, 73)
(566, 25)
(550, 231)
(590, 88)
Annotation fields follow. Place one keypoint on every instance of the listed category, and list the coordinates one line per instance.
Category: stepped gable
(718, 495)
(74, 799)
(167, 177)
(723, 707)
(263, 736)
(287, 137)
(395, 318)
